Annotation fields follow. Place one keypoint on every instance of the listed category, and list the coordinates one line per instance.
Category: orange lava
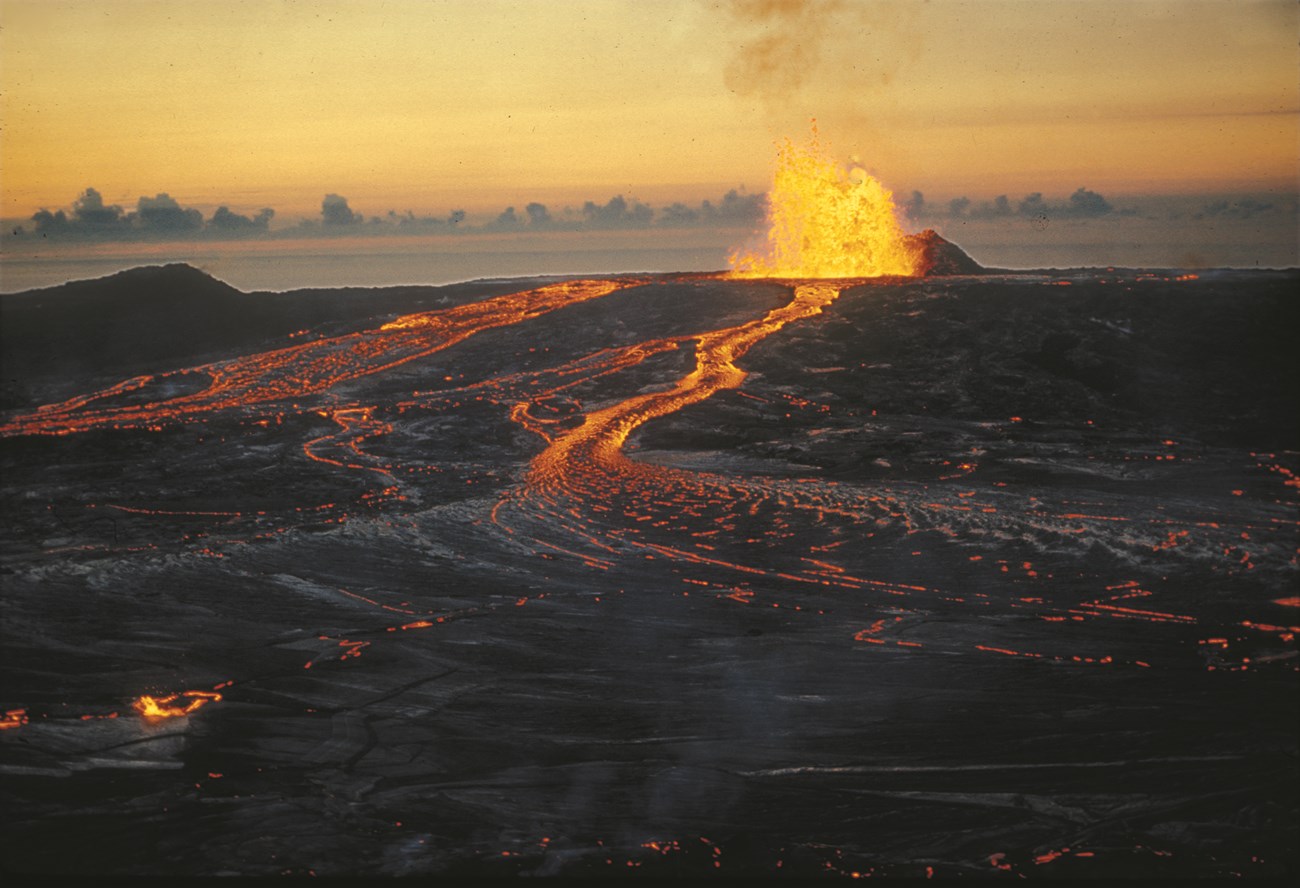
(600, 438)
(824, 222)
(13, 718)
(306, 369)
(157, 708)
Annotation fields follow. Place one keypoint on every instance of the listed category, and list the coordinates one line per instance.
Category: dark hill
(58, 341)
(942, 256)
(119, 325)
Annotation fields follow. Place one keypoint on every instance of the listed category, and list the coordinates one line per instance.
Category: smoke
(780, 45)
(838, 60)
(915, 205)
(853, 65)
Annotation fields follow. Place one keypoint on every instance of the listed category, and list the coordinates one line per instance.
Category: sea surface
(289, 264)
(373, 260)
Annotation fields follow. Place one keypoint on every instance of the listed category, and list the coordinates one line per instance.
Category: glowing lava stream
(155, 708)
(584, 497)
(310, 368)
(596, 445)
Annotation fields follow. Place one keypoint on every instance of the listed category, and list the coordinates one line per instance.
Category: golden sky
(482, 103)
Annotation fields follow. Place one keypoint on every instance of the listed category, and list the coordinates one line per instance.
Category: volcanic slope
(672, 575)
(60, 341)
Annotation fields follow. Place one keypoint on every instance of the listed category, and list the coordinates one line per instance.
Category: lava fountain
(826, 222)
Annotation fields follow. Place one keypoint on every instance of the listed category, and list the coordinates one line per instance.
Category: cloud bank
(163, 218)
(155, 218)
(1082, 204)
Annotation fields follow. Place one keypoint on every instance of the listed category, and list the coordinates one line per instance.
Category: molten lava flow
(13, 718)
(826, 223)
(298, 371)
(587, 463)
(599, 440)
(168, 707)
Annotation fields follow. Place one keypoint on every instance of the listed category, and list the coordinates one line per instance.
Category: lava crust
(670, 575)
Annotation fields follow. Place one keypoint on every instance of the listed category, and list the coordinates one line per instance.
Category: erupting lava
(824, 222)
(169, 707)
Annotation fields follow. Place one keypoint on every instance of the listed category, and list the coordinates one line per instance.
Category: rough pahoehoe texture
(678, 576)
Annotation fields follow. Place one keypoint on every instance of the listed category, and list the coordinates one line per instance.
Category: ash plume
(780, 46)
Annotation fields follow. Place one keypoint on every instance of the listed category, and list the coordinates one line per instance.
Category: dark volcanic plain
(988, 575)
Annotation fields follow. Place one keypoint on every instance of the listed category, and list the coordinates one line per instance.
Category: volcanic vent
(826, 222)
(940, 257)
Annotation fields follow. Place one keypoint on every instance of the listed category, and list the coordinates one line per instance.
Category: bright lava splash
(826, 222)
(173, 705)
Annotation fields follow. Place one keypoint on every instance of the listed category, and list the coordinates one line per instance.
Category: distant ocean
(286, 263)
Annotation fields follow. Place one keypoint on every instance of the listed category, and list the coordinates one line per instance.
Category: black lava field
(989, 576)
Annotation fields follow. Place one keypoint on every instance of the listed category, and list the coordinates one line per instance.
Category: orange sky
(430, 105)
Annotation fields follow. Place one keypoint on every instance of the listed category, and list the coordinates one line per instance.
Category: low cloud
(89, 216)
(1088, 203)
(160, 217)
(508, 219)
(163, 214)
(163, 217)
(1237, 209)
(1082, 204)
(679, 215)
(334, 210)
(89, 210)
(617, 213)
(224, 220)
(736, 208)
(538, 215)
